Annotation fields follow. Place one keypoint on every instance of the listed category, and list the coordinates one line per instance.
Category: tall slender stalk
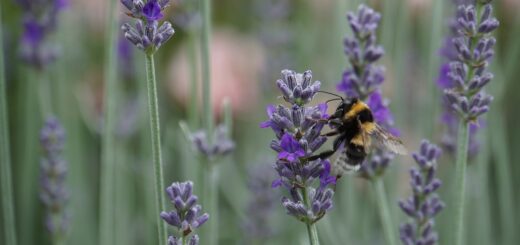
(8, 222)
(28, 174)
(156, 144)
(206, 68)
(384, 212)
(460, 181)
(212, 183)
(193, 112)
(107, 202)
(505, 192)
(311, 228)
(432, 65)
(211, 191)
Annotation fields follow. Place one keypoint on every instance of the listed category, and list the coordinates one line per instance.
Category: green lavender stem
(206, 68)
(211, 192)
(311, 227)
(8, 222)
(460, 181)
(384, 212)
(194, 102)
(107, 202)
(156, 144)
(503, 175)
(212, 183)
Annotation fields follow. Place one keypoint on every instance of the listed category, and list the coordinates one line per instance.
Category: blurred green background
(252, 42)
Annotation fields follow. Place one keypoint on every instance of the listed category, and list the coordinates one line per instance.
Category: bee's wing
(386, 141)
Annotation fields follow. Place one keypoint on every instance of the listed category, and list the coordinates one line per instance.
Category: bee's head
(346, 104)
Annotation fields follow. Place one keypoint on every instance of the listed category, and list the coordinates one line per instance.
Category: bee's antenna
(329, 93)
(326, 102)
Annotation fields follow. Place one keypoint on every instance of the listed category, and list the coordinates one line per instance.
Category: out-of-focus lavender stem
(211, 186)
(193, 111)
(384, 211)
(107, 202)
(8, 222)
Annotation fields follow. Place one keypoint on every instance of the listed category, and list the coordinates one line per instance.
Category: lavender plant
(363, 80)
(448, 117)
(221, 145)
(148, 36)
(39, 22)
(298, 135)
(424, 204)
(186, 216)
(211, 148)
(108, 159)
(53, 167)
(467, 98)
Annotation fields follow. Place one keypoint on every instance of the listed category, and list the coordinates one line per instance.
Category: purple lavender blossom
(221, 146)
(147, 35)
(53, 171)
(39, 22)
(449, 81)
(298, 135)
(291, 149)
(468, 72)
(363, 80)
(363, 77)
(186, 216)
(424, 204)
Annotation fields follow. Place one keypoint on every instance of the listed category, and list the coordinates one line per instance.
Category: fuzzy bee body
(353, 124)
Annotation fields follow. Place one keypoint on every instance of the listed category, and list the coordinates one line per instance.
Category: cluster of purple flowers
(424, 204)
(54, 170)
(186, 216)
(298, 135)
(222, 144)
(39, 21)
(363, 79)
(147, 35)
(464, 75)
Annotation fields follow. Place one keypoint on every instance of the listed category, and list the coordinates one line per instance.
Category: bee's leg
(331, 133)
(321, 120)
(322, 155)
(335, 122)
(326, 154)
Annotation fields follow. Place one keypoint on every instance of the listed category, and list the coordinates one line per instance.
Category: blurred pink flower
(236, 63)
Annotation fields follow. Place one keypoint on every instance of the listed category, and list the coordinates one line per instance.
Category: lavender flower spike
(298, 135)
(39, 22)
(468, 71)
(424, 204)
(54, 194)
(146, 34)
(186, 216)
(221, 146)
(363, 79)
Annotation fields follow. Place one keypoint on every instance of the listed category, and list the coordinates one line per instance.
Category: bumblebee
(353, 124)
